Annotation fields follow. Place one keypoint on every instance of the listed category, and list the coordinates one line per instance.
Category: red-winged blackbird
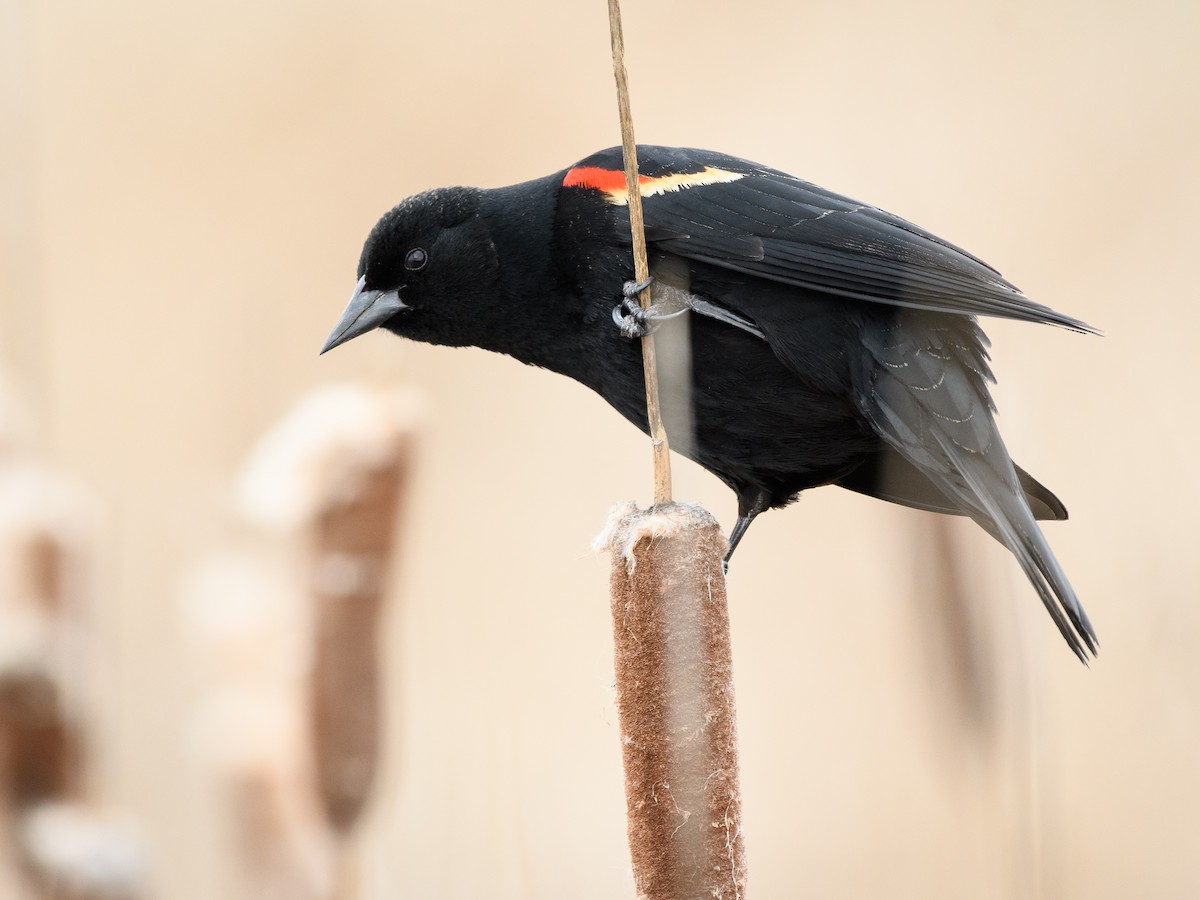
(830, 342)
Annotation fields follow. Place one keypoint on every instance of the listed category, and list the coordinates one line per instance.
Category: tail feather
(927, 397)
(1005, 515)
(888, 475)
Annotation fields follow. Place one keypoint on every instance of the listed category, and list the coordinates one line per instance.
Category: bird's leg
(634, 321)
(747, 510)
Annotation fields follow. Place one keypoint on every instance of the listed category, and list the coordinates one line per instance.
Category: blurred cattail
(68, 849)
(42, 740)
(351, 548)
(674, 677)
(335, 469)
(39, 527)
(42, 759)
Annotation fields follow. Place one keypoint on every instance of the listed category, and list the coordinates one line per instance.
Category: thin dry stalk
(641, 267)
(674, 677)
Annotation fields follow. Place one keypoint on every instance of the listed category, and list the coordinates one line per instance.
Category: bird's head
(421, 271)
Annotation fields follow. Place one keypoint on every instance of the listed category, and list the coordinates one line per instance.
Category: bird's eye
(416, 260)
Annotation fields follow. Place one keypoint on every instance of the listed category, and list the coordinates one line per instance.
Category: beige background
(186, 186)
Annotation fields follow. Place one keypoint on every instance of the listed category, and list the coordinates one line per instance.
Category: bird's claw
(634, 321)
(631, 289)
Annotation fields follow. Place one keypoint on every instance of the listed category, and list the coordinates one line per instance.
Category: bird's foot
(634, 321)
(631, 289)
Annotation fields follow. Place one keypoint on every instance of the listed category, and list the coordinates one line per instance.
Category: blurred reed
(66, 845)
(328, 480)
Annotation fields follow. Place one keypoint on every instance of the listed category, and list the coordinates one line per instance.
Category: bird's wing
(748, 218)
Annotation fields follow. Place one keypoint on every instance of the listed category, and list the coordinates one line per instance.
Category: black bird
(831, 342)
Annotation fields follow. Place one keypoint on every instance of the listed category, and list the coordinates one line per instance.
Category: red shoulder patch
(612, 181)
(607, 180)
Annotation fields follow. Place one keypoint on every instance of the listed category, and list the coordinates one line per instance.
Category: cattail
(351, 549)
(68, 848)
(41, 759)
(675, 701)
(42, 739)
(335, 471)
(44, 752)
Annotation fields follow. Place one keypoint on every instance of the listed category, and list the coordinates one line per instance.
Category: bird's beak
(365, 311)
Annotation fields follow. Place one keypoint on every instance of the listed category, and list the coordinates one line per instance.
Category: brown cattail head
(41, 746)
(351, 551)
(674, 680)
(41, 753)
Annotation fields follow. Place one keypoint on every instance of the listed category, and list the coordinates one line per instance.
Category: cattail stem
(674, 678)
(641, 267)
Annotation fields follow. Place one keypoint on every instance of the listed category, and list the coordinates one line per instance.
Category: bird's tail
(927, 398)
(992, 500)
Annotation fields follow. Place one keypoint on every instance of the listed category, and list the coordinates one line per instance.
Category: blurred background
(184, 190)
